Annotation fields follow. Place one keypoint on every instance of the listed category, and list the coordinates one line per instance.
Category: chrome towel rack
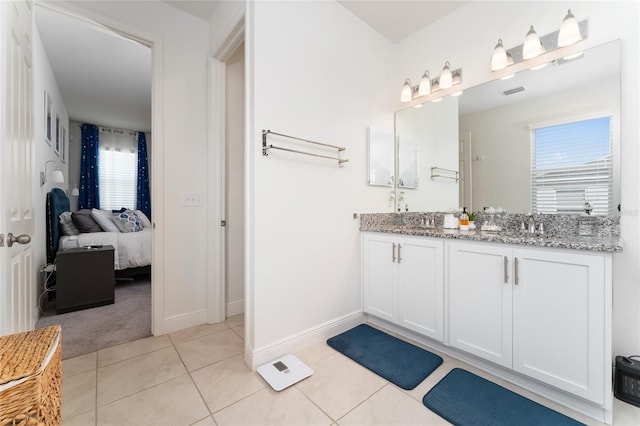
(439, 172)
(266, 147)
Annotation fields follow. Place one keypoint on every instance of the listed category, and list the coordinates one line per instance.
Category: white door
(380, 276)
(17, 269)
(480, 303)
(421, 286)
(558, 320)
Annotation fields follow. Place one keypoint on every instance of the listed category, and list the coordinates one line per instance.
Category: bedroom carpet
(90, 330)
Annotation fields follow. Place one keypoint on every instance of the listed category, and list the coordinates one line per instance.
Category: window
(572, 165)
(118, 165)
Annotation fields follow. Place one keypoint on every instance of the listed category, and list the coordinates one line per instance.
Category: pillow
(84, 222)
(127, 221)
(103, 217)
(143, 217)
(66, 224)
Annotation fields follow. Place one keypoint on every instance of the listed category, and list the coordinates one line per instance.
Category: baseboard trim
(303, 339)
(179, 322)
(235, 308)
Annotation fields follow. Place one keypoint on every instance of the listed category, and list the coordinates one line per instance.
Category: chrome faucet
(532, 225)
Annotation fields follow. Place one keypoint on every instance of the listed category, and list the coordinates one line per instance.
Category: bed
(132, 250)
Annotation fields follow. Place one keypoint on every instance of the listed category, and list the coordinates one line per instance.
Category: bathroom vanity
(533, 309)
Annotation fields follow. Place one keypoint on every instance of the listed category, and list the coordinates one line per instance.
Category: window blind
(117, 169)
(572, 165)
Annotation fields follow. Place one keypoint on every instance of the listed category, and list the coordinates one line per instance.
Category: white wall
(179, 152)
(472, 34)
(501, 137)
(44, 80)
(314, 71)
(234, 180)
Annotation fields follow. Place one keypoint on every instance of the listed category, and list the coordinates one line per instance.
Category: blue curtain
(89, 190)
(143, 201)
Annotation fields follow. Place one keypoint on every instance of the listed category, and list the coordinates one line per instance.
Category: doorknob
(20, 239)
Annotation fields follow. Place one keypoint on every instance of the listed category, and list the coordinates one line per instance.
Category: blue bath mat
(401, 363)
(465, 399)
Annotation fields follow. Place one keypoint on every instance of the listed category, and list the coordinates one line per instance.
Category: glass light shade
(532, 46)
(446, 79)
(499, 59)
(406, 94)
(75, 192)
(569, 31)
(57, 176)
(425, 85)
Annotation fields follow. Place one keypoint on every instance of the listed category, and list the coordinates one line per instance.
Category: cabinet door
(380, 276)
(558, 328)
(480, 301)
(421, 286)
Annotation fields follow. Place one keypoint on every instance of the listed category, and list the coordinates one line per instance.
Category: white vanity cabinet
(480, 302)
(403, 278)
(541, 312)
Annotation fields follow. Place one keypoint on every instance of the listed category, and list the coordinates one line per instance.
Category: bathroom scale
(284, 372)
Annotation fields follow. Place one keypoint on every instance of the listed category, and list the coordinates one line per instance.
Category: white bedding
(131, 249)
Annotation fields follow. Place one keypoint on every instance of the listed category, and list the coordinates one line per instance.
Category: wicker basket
(30, 377)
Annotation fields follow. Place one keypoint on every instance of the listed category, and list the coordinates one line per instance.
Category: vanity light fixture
(569, 31)
(499, 58)
(429, 86)
(425, 84)
(532, 46)
(56, 176)
(446, 77)
(407, 91)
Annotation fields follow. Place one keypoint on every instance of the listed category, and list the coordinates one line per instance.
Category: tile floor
(198, 377)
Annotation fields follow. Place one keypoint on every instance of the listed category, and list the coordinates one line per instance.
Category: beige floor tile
(84, 419)
(210, 349)
(132, 349)
(314, 354)
(239, 330)
(79, 364)
(173, 403)
(135, 374)
(267, 407)
(196, 332)
(338, 384)
(207, 421)
(78, 394)
(625, 414)
(226, 382)
(235, 321)
(390, 406)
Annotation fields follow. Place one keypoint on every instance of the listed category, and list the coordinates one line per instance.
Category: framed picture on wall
(56, 146)
(63, 145)
(48, 112)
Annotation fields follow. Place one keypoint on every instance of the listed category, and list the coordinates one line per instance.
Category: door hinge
(223, 223)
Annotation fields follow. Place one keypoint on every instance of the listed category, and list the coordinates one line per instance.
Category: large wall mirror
(487, 136)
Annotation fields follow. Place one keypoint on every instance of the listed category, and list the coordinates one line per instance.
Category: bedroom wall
(180, 103)
(303, 244)
(43, 152)
(476, 32)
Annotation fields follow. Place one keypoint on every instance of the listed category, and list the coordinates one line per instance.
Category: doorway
(76, 39)
(234, 182)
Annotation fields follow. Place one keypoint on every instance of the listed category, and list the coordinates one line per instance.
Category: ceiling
(105, 79)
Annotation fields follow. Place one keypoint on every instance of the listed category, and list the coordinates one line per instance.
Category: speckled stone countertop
(604, 240)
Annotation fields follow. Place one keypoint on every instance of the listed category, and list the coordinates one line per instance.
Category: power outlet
(192, 199)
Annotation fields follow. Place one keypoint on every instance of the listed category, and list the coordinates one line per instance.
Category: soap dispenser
(464, 220)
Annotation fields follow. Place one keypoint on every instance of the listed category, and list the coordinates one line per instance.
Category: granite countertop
(596, 243)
